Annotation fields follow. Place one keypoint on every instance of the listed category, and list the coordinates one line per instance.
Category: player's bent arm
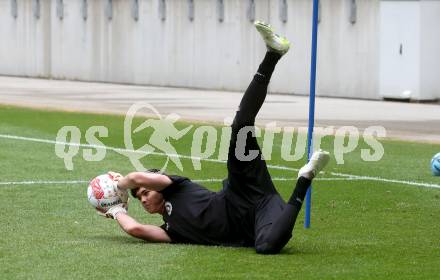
(150, 181)
(146, 232)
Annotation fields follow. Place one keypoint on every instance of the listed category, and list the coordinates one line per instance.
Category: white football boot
(274, 42)
(317, 162)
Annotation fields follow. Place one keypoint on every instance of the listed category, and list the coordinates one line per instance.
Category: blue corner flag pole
(312, 103)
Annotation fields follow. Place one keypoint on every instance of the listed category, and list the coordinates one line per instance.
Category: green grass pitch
(360, 228)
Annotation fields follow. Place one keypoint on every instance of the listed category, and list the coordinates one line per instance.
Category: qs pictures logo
(207, 141)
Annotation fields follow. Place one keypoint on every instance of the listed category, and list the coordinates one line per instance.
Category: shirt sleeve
(177, 185)
(175, 238)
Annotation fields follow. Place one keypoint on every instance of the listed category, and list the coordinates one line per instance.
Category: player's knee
(267, 248)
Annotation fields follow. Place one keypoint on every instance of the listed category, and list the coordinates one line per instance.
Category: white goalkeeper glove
(122, 193)
(115, 210)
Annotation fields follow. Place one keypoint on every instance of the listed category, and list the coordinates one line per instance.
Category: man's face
(152, 201)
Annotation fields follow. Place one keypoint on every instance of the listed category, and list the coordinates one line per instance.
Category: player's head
(152, 201)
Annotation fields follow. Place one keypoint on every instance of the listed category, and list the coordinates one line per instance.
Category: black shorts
(252, 198)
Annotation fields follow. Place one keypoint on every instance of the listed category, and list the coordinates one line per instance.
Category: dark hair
(135, 190)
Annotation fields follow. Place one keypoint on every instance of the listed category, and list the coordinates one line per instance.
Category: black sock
(267, 67)
(302, 185)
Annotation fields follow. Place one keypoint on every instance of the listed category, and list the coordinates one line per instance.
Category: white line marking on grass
(211, 180)
(286, 179)
(43, 182)
(125, 151)
(379, 179)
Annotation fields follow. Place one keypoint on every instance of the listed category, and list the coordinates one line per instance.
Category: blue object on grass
(435, 165)
(312, 103)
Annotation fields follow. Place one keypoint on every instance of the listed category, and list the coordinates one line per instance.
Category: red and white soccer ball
(103, 194)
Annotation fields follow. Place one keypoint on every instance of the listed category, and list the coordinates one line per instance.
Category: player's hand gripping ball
(435, 165)
(103, 193)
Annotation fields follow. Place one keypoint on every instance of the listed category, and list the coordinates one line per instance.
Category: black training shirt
(196, 215)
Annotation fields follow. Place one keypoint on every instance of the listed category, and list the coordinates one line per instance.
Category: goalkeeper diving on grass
(248, 211)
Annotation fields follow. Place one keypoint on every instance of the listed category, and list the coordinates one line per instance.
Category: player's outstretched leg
(272, 239)
(248, 176)
(255, 94)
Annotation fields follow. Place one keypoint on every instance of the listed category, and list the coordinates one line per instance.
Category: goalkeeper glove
(115, 210)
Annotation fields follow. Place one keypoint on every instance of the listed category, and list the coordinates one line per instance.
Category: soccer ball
(435, 165)
(103, 194)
